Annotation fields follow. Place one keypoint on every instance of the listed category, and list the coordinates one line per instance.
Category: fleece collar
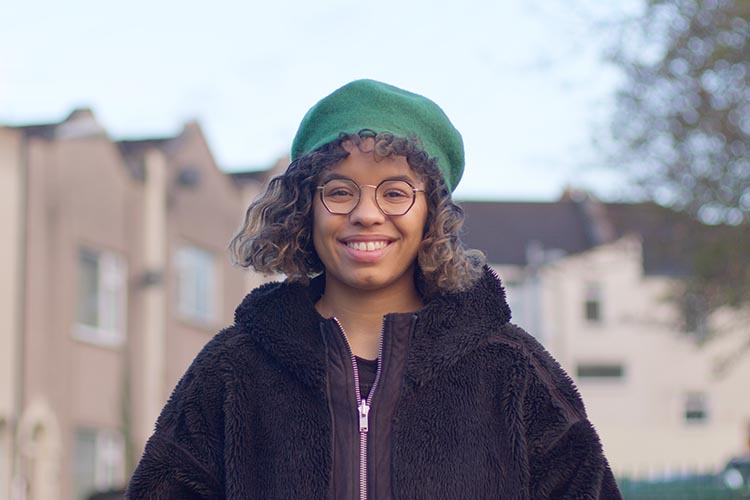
(452, 325)
(283, 321)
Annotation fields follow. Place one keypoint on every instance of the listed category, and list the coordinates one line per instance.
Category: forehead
(364, 168)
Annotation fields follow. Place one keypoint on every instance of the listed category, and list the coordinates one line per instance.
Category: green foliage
(682, 128)
(683, 115)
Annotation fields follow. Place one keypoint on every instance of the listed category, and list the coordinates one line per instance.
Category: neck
(361, 312)
(339, 300)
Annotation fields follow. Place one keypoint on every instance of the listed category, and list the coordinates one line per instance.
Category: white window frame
(198, 290)
(109, 458)
(111, 300)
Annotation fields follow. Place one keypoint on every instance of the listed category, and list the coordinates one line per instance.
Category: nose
(367, 212)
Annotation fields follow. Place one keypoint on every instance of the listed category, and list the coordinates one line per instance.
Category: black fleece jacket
(484, 411)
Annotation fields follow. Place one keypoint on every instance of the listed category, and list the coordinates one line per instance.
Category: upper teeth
(367, 246)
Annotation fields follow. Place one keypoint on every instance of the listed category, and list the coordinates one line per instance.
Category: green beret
(367, 104)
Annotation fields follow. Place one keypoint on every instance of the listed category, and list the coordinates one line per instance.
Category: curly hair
(276, 237)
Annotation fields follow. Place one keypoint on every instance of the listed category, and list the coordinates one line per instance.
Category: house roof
(260, 175)
(132, 151)
(80, 121)
(508, 232)
(45, 131)
(666, 235)
(257, 176)
(504, 230)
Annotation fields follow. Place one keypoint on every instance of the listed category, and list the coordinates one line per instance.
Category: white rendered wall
(640, 417)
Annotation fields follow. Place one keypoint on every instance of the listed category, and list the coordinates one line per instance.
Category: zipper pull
(364, 411)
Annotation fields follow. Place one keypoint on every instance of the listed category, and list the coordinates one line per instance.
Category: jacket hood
(282, 319)
(453, 324)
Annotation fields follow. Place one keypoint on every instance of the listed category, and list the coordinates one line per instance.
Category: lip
(366, 238)
(366, 256)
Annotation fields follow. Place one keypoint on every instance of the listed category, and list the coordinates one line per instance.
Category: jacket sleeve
(184, 457)
(566, 460)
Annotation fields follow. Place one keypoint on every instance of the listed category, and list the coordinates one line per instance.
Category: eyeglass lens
(341, 196)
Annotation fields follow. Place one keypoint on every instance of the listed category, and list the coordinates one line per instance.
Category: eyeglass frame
(375, 192)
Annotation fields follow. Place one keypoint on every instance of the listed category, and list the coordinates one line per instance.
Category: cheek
(321, 229)
(415, 230)
(317, 230)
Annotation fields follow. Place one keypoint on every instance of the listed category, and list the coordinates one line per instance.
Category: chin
(369, 283)
(372, 280)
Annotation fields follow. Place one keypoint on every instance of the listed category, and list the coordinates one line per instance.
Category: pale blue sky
(522, 80)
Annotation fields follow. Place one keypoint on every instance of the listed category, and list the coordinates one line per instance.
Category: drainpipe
(17, 478)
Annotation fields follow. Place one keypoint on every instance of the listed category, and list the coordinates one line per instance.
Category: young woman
(384, 366)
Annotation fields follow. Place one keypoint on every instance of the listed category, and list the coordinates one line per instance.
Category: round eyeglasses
(393, 197)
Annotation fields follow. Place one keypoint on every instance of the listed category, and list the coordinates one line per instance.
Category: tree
(682, 121)
(682, 128)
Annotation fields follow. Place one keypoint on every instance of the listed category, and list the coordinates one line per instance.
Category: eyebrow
(331, 176)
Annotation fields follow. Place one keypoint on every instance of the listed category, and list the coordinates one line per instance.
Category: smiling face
(367, 250)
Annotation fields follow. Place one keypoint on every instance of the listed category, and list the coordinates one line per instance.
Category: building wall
(11, 275)
(72, 188)
(188, 202)
(79, 197)
(205, 216)
(640, 415)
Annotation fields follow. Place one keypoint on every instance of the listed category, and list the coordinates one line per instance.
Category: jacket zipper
(363, 405)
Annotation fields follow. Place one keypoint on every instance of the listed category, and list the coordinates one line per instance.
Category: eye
(396, 192)
(339, 191)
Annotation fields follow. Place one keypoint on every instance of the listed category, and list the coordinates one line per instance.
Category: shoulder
(511, 337)
(210, 363)
(276, 325)
(225, 344)
(519, 339)
(238, 351)
(275, 300)
(261, 298)
(546, 377)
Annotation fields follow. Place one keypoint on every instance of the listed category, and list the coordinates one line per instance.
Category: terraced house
(114, 275)
(594, 281)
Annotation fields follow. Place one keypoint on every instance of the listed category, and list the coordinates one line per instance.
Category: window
(197, 292)
(696, 407)
(600, 371)
(101, 297)
(592, 304)
(99, 462)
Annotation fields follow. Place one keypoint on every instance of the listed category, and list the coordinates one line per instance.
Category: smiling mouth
(367, 246)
